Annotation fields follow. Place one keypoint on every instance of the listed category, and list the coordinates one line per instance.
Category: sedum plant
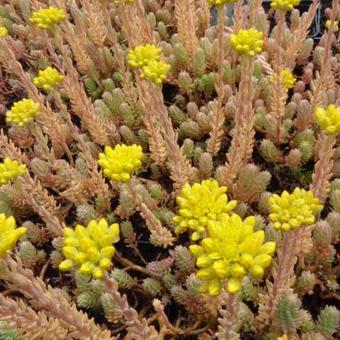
(172, 167)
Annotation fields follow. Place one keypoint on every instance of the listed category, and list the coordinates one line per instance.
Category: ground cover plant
(166, 173)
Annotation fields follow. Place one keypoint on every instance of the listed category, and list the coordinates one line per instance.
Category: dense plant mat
(166, 173)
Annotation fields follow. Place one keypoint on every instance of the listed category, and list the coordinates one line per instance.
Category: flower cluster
(155, 71)
(221, 2)
(200, 204)
(290, 211)
(333, 27)
(22, 112)
(248, 42)
(287, 78)
(9, 233)
(284, 5)
(3, 31)
(329, 119)
(143, 54)
(10, 169)
(119, 163)
(148, 58)
(90, 249)
(46, 18)
(48, 78)
(232, 250)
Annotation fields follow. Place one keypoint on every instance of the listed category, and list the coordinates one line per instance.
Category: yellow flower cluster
(221, 2)
(10, 169)
(46, 18)
(9, 233)
(200, 204)
(90, 249)
(284, 5)
(287, 78)
(155, 71)
(329, 119)
(248, 42)
(334, 27)
(290, 211)
(119, 163)
(22, 112)
(48, 78)
(3, 31)
(148, 58)
(143, 54)
(232, 250)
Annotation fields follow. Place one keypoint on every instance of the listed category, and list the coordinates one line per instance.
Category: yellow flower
(287, 78)
(119, 163)
(231, 251)
(22, 112)
(10, 170)
(334, 27)
(155, 71)
(284, 5)
(221, 2)
(48, 78)
(9, 234)
(143, 54)
(248, 42)
(329, 119)
(46, 18)
(199, 204)
(290, 211)
(3, 31)
(90, 249)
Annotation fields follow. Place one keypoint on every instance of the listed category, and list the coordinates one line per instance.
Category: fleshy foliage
(291, 211)
(119, 163)
(247, 42)
(10, 169)
(200, 204)
(22, 112)
(329, 119)
(48, 79)
(284, 5)
(90, 249)
(231, 250)
(9, 234)
(3, 31)
(47, 18)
